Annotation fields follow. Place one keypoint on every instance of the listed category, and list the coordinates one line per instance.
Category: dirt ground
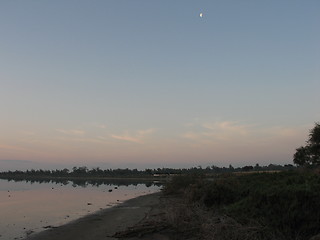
(110, 223)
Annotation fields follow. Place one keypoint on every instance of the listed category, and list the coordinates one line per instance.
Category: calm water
(27, 207)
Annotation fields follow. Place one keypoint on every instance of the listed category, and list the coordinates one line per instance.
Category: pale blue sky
(151, 83)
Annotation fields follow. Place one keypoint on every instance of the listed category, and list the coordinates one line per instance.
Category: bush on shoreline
(284, 204)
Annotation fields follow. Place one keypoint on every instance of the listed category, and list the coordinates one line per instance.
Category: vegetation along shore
(217, 203)
(258, 206)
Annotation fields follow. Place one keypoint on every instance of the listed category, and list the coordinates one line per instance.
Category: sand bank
(105, 223)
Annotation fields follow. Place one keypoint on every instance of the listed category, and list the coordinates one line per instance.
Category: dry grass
(197, 222)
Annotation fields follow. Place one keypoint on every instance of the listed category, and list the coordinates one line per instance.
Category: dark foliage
(84, 172)
(309, 155)
(286, 204)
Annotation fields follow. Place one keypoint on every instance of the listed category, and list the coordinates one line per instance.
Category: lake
(29, 207)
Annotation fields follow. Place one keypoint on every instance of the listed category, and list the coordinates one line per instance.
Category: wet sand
(105, 223)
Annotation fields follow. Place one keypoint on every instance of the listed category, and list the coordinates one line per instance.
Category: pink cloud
(138, 137)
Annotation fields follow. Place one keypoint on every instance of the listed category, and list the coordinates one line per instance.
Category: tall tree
(309, 154)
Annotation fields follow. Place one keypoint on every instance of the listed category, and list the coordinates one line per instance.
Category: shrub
(286, 203)
(178, 184)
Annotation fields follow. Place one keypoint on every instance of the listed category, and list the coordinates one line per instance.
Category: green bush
(290, 205)
(178, 184)
(287, 203)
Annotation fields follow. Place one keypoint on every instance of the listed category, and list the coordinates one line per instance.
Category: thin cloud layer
(233, 131)
(11, 147)
(216, 131)
(138, 137)
(71, 132)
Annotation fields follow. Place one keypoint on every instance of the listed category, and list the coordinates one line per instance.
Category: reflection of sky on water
(30, 207)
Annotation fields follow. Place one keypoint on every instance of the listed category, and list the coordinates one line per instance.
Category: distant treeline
(84, 172)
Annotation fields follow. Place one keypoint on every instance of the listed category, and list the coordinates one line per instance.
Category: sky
(140, 83)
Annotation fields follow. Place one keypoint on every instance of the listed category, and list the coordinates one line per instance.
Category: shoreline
(142, 179)
(105, 223)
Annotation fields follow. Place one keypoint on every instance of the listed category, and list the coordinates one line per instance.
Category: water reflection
(90, 182)
(31, 205)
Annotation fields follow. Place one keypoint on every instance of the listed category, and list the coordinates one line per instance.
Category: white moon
(201, 15)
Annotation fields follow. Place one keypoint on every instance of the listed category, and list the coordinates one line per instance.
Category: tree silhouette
(309, 155)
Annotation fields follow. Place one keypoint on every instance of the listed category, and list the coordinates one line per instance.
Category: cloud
(138, 137)
(191, 135)
(237, 134)
(146, 132)
(98, 125)
(28, 133)
(87, 140)
(127, 137)
(15, 148)
(227, 127)
(71, 132)
(216, 131)
(282, 131)
(10, 147)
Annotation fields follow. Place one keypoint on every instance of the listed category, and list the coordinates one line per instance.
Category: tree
(309, 155)
(302, 156)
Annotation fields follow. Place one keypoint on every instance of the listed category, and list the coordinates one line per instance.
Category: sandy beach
(109, 224)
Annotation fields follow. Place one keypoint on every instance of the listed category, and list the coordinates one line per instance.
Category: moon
(201, 15)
